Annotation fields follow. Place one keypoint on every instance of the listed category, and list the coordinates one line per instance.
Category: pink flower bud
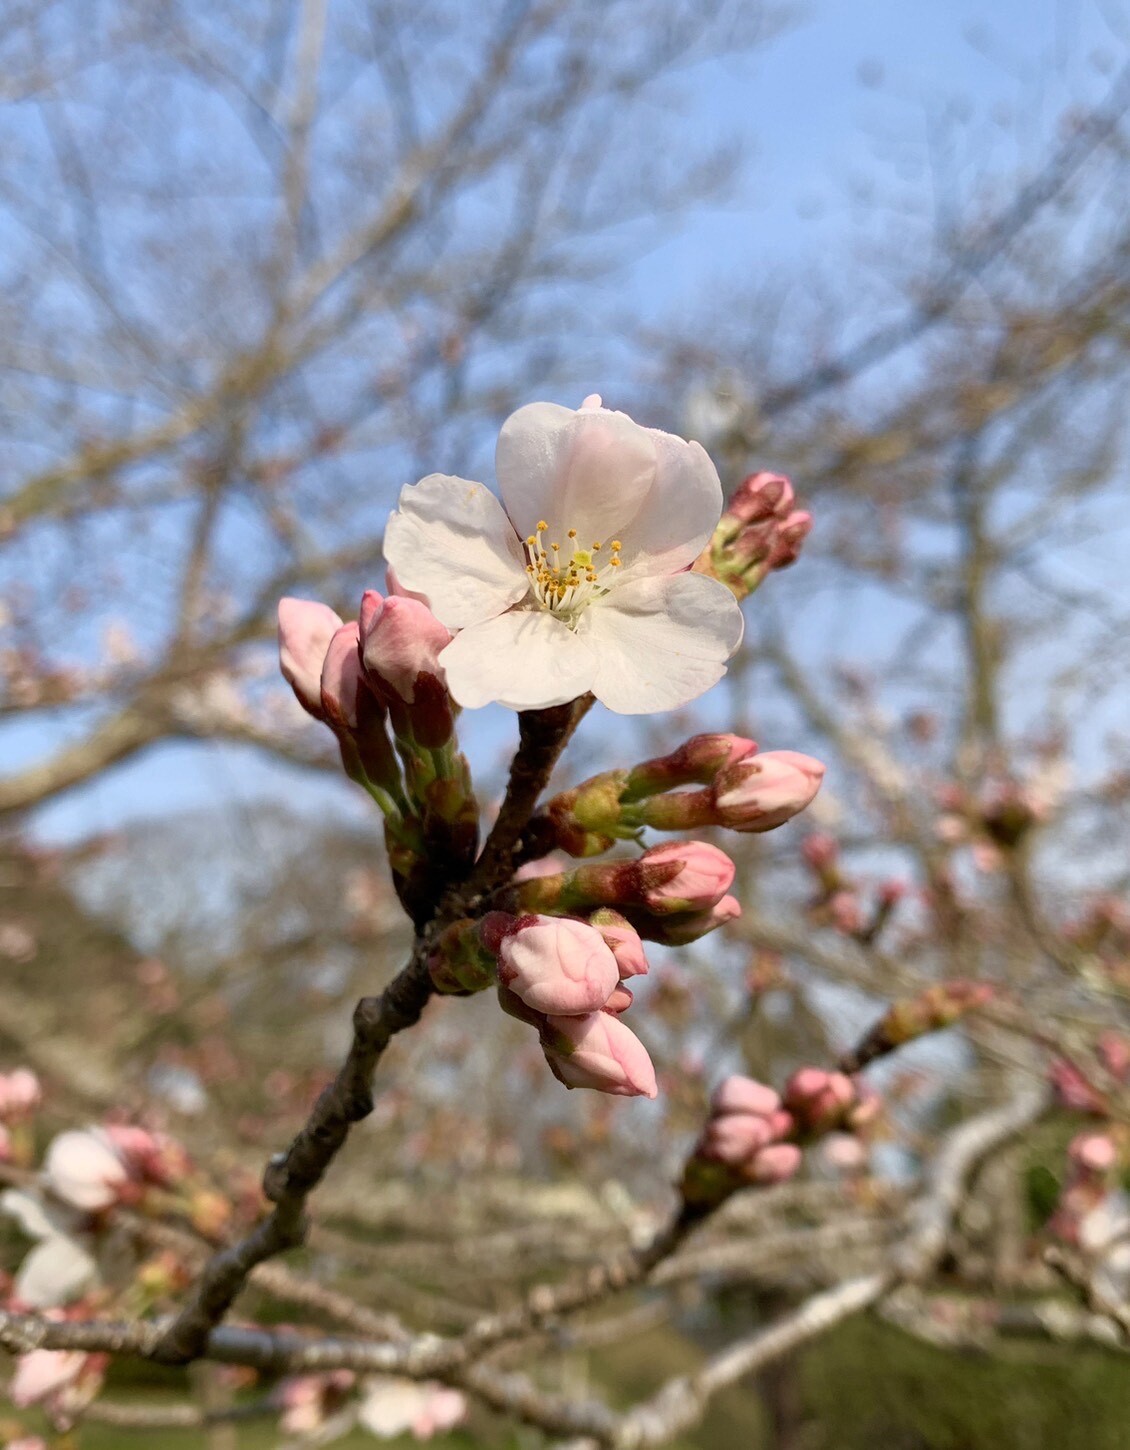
(680, 931)
(598, 1051)
(820, 850)
(20, 1093)
(734, 1138)
(401, 640)
(703, 878)
(82, 1168)
(844, 1153)
(818, 1099)
(342, 678)
(737, 1094)
(697, 761)
(764, 791)
(761, 496)
(1092, 1152)
(1113, 1049)
(622, 940)
(305, 631)
(846, 912)
(775, 1164)
(1072, 1089)
(790, 537)
(557, 965)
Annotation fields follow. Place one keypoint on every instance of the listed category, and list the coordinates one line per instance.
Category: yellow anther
(616, 544)
(615, 563)
(556, 548)
(531, 540)
(596, 547)
(542, 525)
(572, 533)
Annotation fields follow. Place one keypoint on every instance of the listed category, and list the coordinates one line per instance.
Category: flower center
(565, 579)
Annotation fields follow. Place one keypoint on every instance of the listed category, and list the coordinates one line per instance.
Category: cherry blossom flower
(393, 1406)
(579, 579)
(83, 1168)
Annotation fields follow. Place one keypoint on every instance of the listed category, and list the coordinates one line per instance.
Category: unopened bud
(775, 1164)
(763, 791)
(702, 876)
(600, 1052)
(557, 965)
(680, 931)
(622, 940)
(760, 496)
(817, 1099)
(342, 680)
(305, 631)
(696, 762)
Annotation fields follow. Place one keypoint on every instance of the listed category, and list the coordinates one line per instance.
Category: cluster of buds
(744, 791)
(908, 1018)
(378, 672)
(20, 1096)
(993, 821)
(672, 894)
(745, 1141)
(839, 901)
(565, 976)
(754, 1135)
(94, 1169)
(760, 531)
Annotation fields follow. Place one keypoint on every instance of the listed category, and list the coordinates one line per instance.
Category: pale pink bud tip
(734, 1138)
(401, 640)
(623, 941)
(558, 966)
(600, 1052)
(775, 1164)
(305, 631)
(764, 791)
(342, 681)
(744, 1095)
(704, 877)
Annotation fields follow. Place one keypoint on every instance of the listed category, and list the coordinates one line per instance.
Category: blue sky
(859, 93)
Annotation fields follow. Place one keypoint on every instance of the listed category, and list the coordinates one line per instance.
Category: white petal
(660, 642)
(450, 540)
(588, 470)
(679, 514)
(56, 1272)
(524, 660)
(29, 1212)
